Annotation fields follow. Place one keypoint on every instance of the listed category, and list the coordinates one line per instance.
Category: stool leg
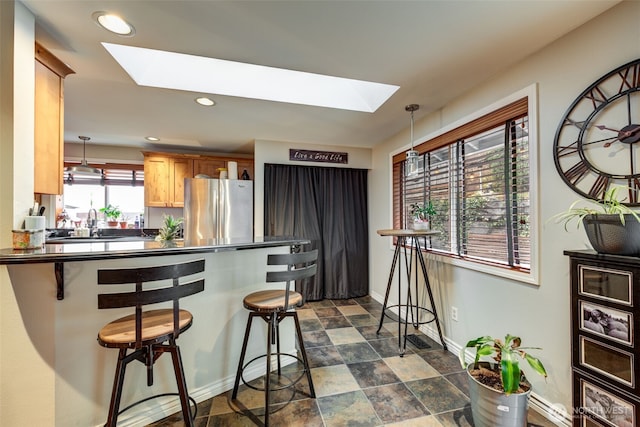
(267, 381)
(182, 384)
(234, 394)
(277, 332)
(116, 393)
(303, 351)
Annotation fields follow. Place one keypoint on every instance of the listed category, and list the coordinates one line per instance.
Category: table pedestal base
(410, 309)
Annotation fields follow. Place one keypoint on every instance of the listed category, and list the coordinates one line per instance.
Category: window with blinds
(112, 174)
(477, 178)
(121, 185)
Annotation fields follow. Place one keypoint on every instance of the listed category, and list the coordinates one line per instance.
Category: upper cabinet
(164, 180)
(208, 167)
(164, 175)
(49, 122)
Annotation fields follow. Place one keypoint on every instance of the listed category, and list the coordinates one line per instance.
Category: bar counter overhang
(64, 331)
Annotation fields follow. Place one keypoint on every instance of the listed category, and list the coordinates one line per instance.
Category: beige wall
(278, 152)
(492, 305)
(25, 374)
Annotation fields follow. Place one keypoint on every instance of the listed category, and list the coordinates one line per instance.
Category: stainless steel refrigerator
(217, 210)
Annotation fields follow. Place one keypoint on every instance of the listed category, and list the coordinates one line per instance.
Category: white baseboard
(554, 413)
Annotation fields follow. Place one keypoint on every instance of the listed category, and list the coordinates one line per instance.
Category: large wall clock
(597, 144)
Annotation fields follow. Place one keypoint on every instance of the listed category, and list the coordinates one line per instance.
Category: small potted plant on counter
(170, 229)
(421, 214)
(124, 221)
(499, 383)
(611, 227)
(111, 214)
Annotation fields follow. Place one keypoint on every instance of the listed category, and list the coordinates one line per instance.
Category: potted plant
(111, 214)
(498, 389)
(124, 221)
(421, 214)
(170, 229)
(611, 227)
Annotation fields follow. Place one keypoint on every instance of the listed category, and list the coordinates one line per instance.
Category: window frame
(442, 138)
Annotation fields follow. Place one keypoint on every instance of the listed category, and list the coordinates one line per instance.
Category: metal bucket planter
(493, 408)
(608, 235)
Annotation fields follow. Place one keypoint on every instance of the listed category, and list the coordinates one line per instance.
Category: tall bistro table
(410, 238)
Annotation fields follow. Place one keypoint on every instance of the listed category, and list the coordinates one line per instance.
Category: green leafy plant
(422, 212)
(170, 229)
(111, 213)
(504, 354)
(609, 205)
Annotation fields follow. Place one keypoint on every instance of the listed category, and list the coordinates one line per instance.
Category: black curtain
(329, 207)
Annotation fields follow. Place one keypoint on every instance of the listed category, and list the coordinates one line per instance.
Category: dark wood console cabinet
(605, 356)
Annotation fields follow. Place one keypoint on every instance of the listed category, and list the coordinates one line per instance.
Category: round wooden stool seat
(271, 300)
(157, 326)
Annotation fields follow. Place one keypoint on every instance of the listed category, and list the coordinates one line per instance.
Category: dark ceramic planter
(608, 235)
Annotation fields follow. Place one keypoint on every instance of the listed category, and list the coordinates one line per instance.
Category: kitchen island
(63, 331)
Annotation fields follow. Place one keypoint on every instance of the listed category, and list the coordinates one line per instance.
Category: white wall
(25, 374)
(278, 152)
(488, 304)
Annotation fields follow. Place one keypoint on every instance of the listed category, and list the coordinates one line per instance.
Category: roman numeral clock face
(597, 144)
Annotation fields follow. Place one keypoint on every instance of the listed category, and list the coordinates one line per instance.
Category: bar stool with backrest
(148, 333)
(273, 306)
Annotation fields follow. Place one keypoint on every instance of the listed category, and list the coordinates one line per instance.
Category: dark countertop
(591, 255)
(125, 248)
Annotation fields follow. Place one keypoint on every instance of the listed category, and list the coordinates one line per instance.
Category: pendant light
(413, 157)
(83, 168)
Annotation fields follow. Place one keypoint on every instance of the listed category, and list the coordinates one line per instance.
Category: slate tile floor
(358, 377)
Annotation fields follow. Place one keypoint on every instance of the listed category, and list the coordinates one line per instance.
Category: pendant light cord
(411, 108)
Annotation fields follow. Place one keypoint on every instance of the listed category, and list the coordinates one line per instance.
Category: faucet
(92, 223)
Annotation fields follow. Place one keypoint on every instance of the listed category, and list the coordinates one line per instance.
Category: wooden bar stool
(273, 306)
(148, 333)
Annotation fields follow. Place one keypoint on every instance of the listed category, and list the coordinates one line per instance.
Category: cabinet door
(179, 170)
(48, 142)
(246, 164)
(208, 167)
(156, 181)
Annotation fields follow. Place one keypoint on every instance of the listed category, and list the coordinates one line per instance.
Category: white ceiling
(434, 50)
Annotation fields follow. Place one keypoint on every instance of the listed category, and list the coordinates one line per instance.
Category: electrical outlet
(454, 313)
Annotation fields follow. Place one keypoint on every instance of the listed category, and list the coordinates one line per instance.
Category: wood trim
(196, 156)
(122, 166)
(495, 118)
(47, 59)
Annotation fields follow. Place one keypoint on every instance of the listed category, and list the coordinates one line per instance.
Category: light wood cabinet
(156, 181)
(164, 174)
(164, 180)
(49, 122)
(179, 169)
(208, 167)
(245, 164)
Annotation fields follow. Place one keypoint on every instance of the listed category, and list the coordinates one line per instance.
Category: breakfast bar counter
(62, 332)
(94, 249)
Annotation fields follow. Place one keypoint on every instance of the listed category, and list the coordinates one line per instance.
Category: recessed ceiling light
(152, 138)
(114, 23)
(207, 102)
(170, 70)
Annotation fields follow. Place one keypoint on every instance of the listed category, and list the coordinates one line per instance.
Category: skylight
(156, 68)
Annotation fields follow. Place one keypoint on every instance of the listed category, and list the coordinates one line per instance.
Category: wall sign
(318, 156)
